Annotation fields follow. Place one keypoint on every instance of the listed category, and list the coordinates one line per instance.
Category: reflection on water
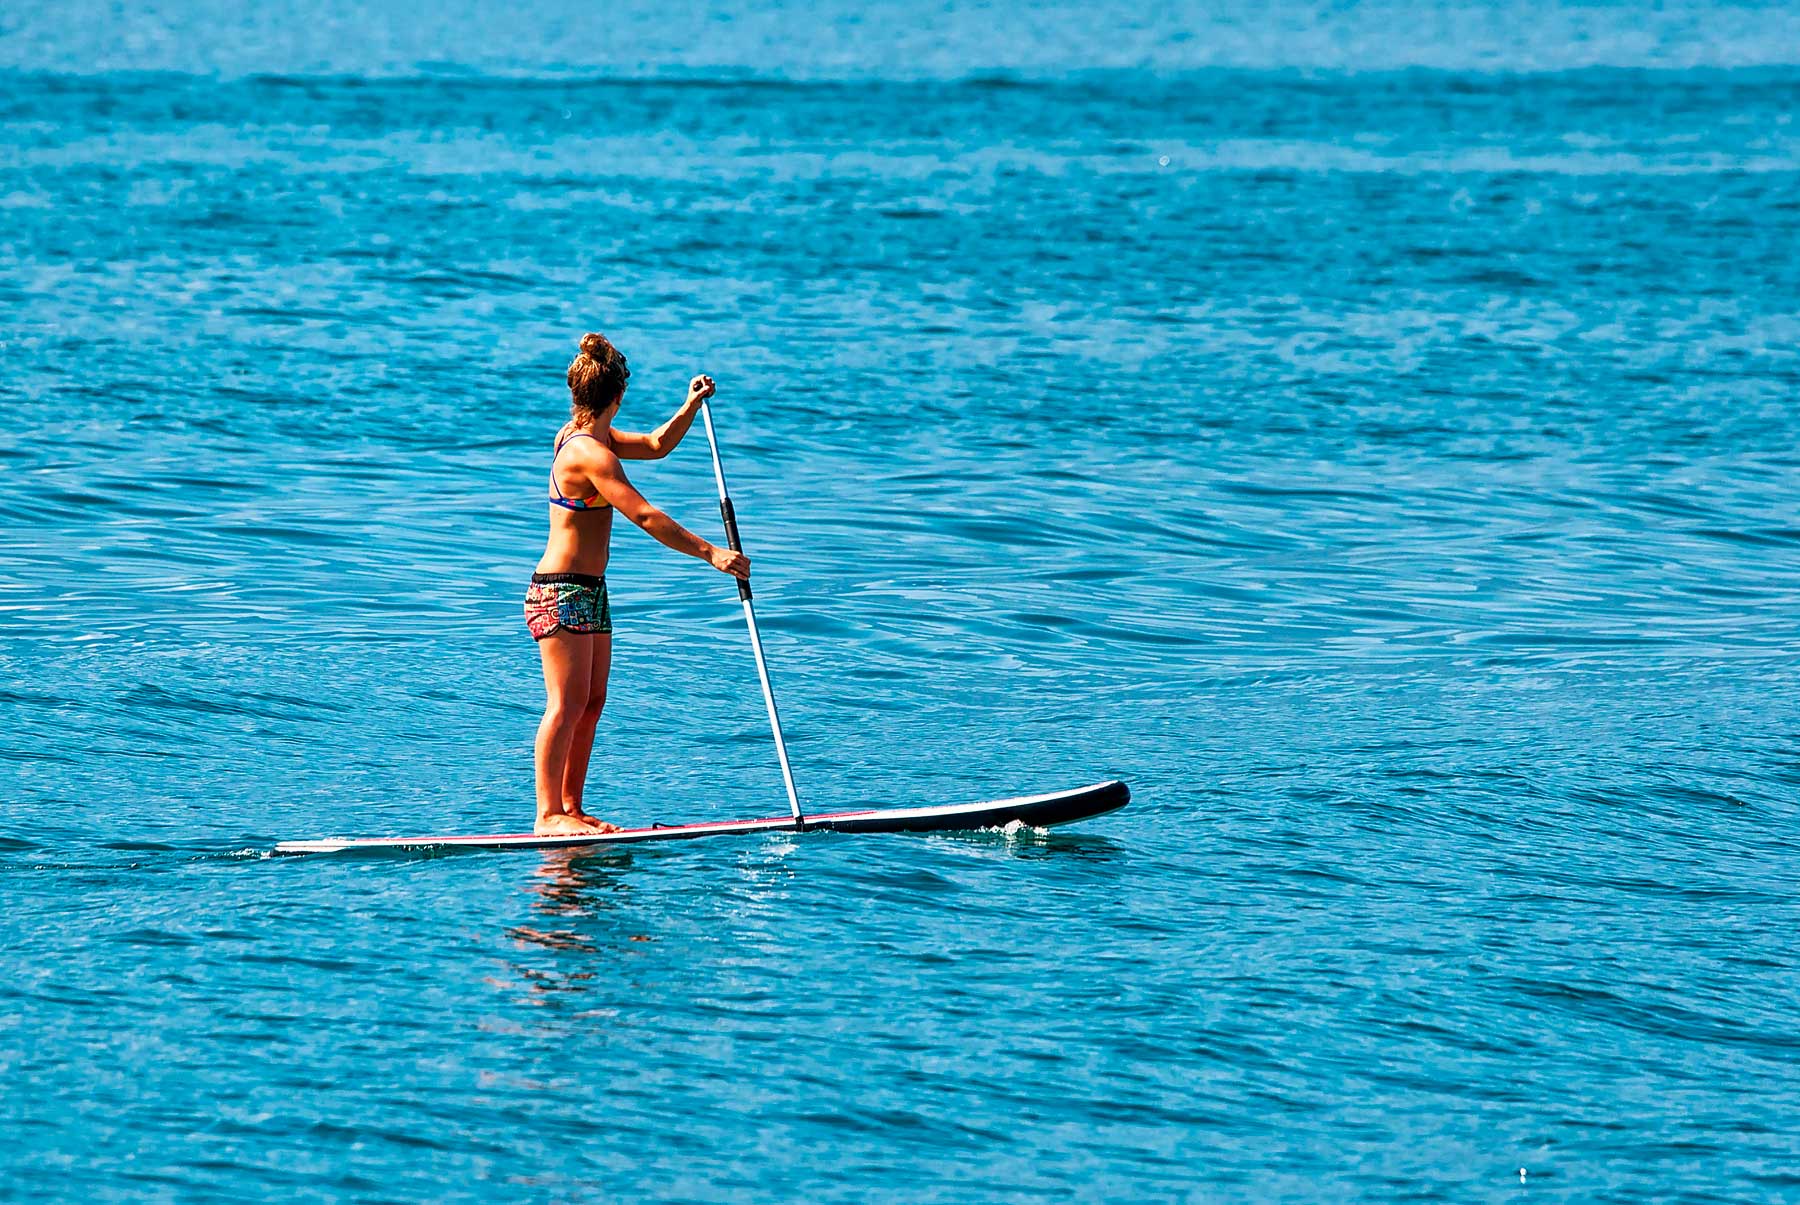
(577, 882)
(581, 889)
(1090, 850)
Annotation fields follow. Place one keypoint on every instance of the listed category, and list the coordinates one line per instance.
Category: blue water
(1368, 430)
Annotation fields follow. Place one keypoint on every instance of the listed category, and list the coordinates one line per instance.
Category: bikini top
(565, 502)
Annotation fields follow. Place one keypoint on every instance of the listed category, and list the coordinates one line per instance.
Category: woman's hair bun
(597, 376)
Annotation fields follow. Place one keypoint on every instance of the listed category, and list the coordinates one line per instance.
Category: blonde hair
(596, 378)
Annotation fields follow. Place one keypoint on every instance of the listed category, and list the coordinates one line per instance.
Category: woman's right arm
(609, 477)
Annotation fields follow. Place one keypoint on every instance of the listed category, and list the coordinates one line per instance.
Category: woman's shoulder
(565, 439)
(582, 445)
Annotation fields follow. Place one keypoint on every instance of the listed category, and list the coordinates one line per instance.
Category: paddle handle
(731, 537)
(727, 513)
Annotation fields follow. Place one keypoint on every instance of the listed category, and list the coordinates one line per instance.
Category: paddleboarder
(566, 606)
(574, 630)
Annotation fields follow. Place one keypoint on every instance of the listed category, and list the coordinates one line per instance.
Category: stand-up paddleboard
(1035, 811)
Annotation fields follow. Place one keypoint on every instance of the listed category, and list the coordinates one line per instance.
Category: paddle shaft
(762, 669)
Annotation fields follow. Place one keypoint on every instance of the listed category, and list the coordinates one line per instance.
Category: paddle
(762, 669)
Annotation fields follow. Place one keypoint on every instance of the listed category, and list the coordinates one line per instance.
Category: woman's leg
(574, 782)
(568, 664)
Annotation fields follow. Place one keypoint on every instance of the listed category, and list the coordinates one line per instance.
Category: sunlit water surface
(1390, 473)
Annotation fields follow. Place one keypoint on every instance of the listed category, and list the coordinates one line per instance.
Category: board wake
(1037, 811)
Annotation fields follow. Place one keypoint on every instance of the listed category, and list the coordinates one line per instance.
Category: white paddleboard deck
(1036, 811)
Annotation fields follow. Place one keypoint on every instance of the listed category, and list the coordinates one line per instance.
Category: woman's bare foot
(561, 824)
(594, 823)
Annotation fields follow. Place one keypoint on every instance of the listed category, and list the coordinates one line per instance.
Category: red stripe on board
(661, 828)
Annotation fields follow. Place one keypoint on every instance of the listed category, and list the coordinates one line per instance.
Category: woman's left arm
(630, 445)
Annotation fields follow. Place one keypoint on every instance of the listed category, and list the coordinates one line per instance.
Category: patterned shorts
(574, 602)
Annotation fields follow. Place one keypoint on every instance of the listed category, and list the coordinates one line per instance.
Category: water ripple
(1390, 474)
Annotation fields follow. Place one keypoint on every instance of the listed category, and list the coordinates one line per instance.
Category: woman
(565, 607)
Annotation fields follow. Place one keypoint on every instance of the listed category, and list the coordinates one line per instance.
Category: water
(1370, 433)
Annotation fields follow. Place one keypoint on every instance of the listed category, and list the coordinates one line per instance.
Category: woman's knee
(561, 716)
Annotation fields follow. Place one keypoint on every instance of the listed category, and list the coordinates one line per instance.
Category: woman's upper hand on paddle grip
(700, 388)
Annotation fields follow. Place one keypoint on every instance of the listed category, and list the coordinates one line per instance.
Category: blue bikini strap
(564, 441)
(562, 499)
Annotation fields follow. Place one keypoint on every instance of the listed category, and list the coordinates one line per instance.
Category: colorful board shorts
(573, 602)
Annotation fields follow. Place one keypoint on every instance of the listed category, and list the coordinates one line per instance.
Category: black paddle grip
(731, 537)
